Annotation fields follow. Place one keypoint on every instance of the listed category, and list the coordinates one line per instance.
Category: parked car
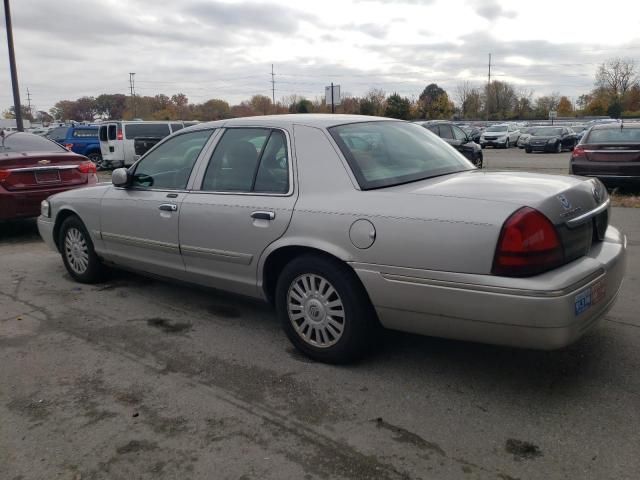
(79, 138)
(456, 137)
(123, 142)
(368, 222)
(580, 131)
(32, 168)
(502, 136)
(525, 134)
(551, 139)
(610, 152)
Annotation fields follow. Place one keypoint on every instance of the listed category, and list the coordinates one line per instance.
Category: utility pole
(14, 71)
(489, 87)
(132, 87)
(29, 102)
(333, 107)
(273, 86)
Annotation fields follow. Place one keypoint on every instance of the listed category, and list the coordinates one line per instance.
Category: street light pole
(14, 72)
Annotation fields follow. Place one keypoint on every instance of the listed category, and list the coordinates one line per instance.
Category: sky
(206, 49)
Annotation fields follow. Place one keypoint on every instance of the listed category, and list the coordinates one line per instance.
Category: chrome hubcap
(76, 250)
(315, 310)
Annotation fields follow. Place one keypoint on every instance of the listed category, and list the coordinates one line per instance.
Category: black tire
(359, 323)
(558, 147)
(527, 149)
(96, 157)
(74, 235)
(506, 144)
(478, 161)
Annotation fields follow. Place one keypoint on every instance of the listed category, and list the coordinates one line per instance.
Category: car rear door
(243, 201)
(139, 223)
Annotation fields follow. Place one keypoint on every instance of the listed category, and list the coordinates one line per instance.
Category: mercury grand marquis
(348, 224)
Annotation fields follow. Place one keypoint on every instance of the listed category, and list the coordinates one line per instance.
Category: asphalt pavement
(139, 378)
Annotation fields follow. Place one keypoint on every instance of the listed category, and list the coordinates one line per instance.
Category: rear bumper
(627, 172)
(548, 311)
(23, 204)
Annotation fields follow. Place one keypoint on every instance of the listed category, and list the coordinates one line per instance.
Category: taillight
(68, 146)
(578, 151)
(529, 244)
(119, 134)
(4, 174)
(87, 167)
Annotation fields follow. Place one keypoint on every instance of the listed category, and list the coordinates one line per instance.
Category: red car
(32, 168)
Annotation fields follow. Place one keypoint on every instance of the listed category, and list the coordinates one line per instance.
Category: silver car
(349, 223)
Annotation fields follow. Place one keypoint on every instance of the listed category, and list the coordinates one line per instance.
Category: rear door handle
(168, 207)
(262, 215)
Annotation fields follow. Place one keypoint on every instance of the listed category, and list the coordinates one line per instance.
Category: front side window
(459, 134)
(169, 165)
(389, 153)
(249, 160)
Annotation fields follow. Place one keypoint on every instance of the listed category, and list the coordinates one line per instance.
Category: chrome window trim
(290, 162)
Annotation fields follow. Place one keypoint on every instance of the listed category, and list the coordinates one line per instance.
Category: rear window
(547, 131)
(176, 126)
(28, 142)
(85, 132)
(59, 133)
(113, 130)
(103, 133)
(160, 130)
(383, 154)
(614, 135)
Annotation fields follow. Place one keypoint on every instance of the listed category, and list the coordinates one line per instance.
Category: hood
(544, 138)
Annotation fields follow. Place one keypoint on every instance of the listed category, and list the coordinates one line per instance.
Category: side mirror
(120, 177)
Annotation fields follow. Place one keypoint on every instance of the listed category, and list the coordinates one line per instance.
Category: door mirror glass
(120, 177)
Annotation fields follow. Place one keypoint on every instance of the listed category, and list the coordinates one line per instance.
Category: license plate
(48, 176)
(590, 296)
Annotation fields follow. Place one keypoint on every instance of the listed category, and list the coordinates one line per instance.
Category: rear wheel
(527, 149)
(78, 254)
(478, 160)
(324, 309)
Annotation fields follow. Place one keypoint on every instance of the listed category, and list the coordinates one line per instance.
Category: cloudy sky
(224, 49)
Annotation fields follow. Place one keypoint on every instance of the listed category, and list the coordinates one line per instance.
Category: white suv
(503, 135)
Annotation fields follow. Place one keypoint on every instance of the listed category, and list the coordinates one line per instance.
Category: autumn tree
(261, 104)
(398, 107)
(373, 103)
(463, 91)
(565, 108)
(500, 99)
(617, 76)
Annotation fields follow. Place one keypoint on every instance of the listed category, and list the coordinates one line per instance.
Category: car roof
(611, 126)
(318, 120)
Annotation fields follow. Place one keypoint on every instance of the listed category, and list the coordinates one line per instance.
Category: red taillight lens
(578, 151)
(529, 244)
(119, 134)
(68, 146)
(4, 174)
(87, 167)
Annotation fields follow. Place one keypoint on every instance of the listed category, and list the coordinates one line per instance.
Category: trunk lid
(40, 170)
(602, 152)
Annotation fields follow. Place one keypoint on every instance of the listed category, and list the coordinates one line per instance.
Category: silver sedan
(348, 224)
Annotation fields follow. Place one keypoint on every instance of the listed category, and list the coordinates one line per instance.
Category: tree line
(616, 93)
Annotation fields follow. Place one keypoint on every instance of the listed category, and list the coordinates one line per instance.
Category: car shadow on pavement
(15, 231)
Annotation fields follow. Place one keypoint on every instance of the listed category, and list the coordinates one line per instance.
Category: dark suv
(81, 139)
(456, 137)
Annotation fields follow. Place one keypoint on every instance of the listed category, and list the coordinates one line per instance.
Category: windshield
(28, 142)
(548, 131)
(614, 135)
(497, 128)
(382, 154)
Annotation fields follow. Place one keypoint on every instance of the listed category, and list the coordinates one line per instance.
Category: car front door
(463, 144)
(139, 223)
(244, 203)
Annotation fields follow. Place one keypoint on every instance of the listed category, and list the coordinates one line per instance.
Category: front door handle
(262, 215)
(168, 207)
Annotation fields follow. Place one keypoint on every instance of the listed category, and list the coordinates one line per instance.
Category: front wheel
(559, 147)
(96, 157)
(506, 144)
(78, 254)
(324, 309)
(527, 149)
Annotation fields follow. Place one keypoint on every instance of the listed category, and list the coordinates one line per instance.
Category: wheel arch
(62, 215)
(275, 259)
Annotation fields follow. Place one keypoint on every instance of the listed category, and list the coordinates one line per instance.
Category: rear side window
(459, 134)
(28, 142)
(103, 133)
(445, 131)
(159, 130)
(249, 160)
(614, 135)
(85, 132)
